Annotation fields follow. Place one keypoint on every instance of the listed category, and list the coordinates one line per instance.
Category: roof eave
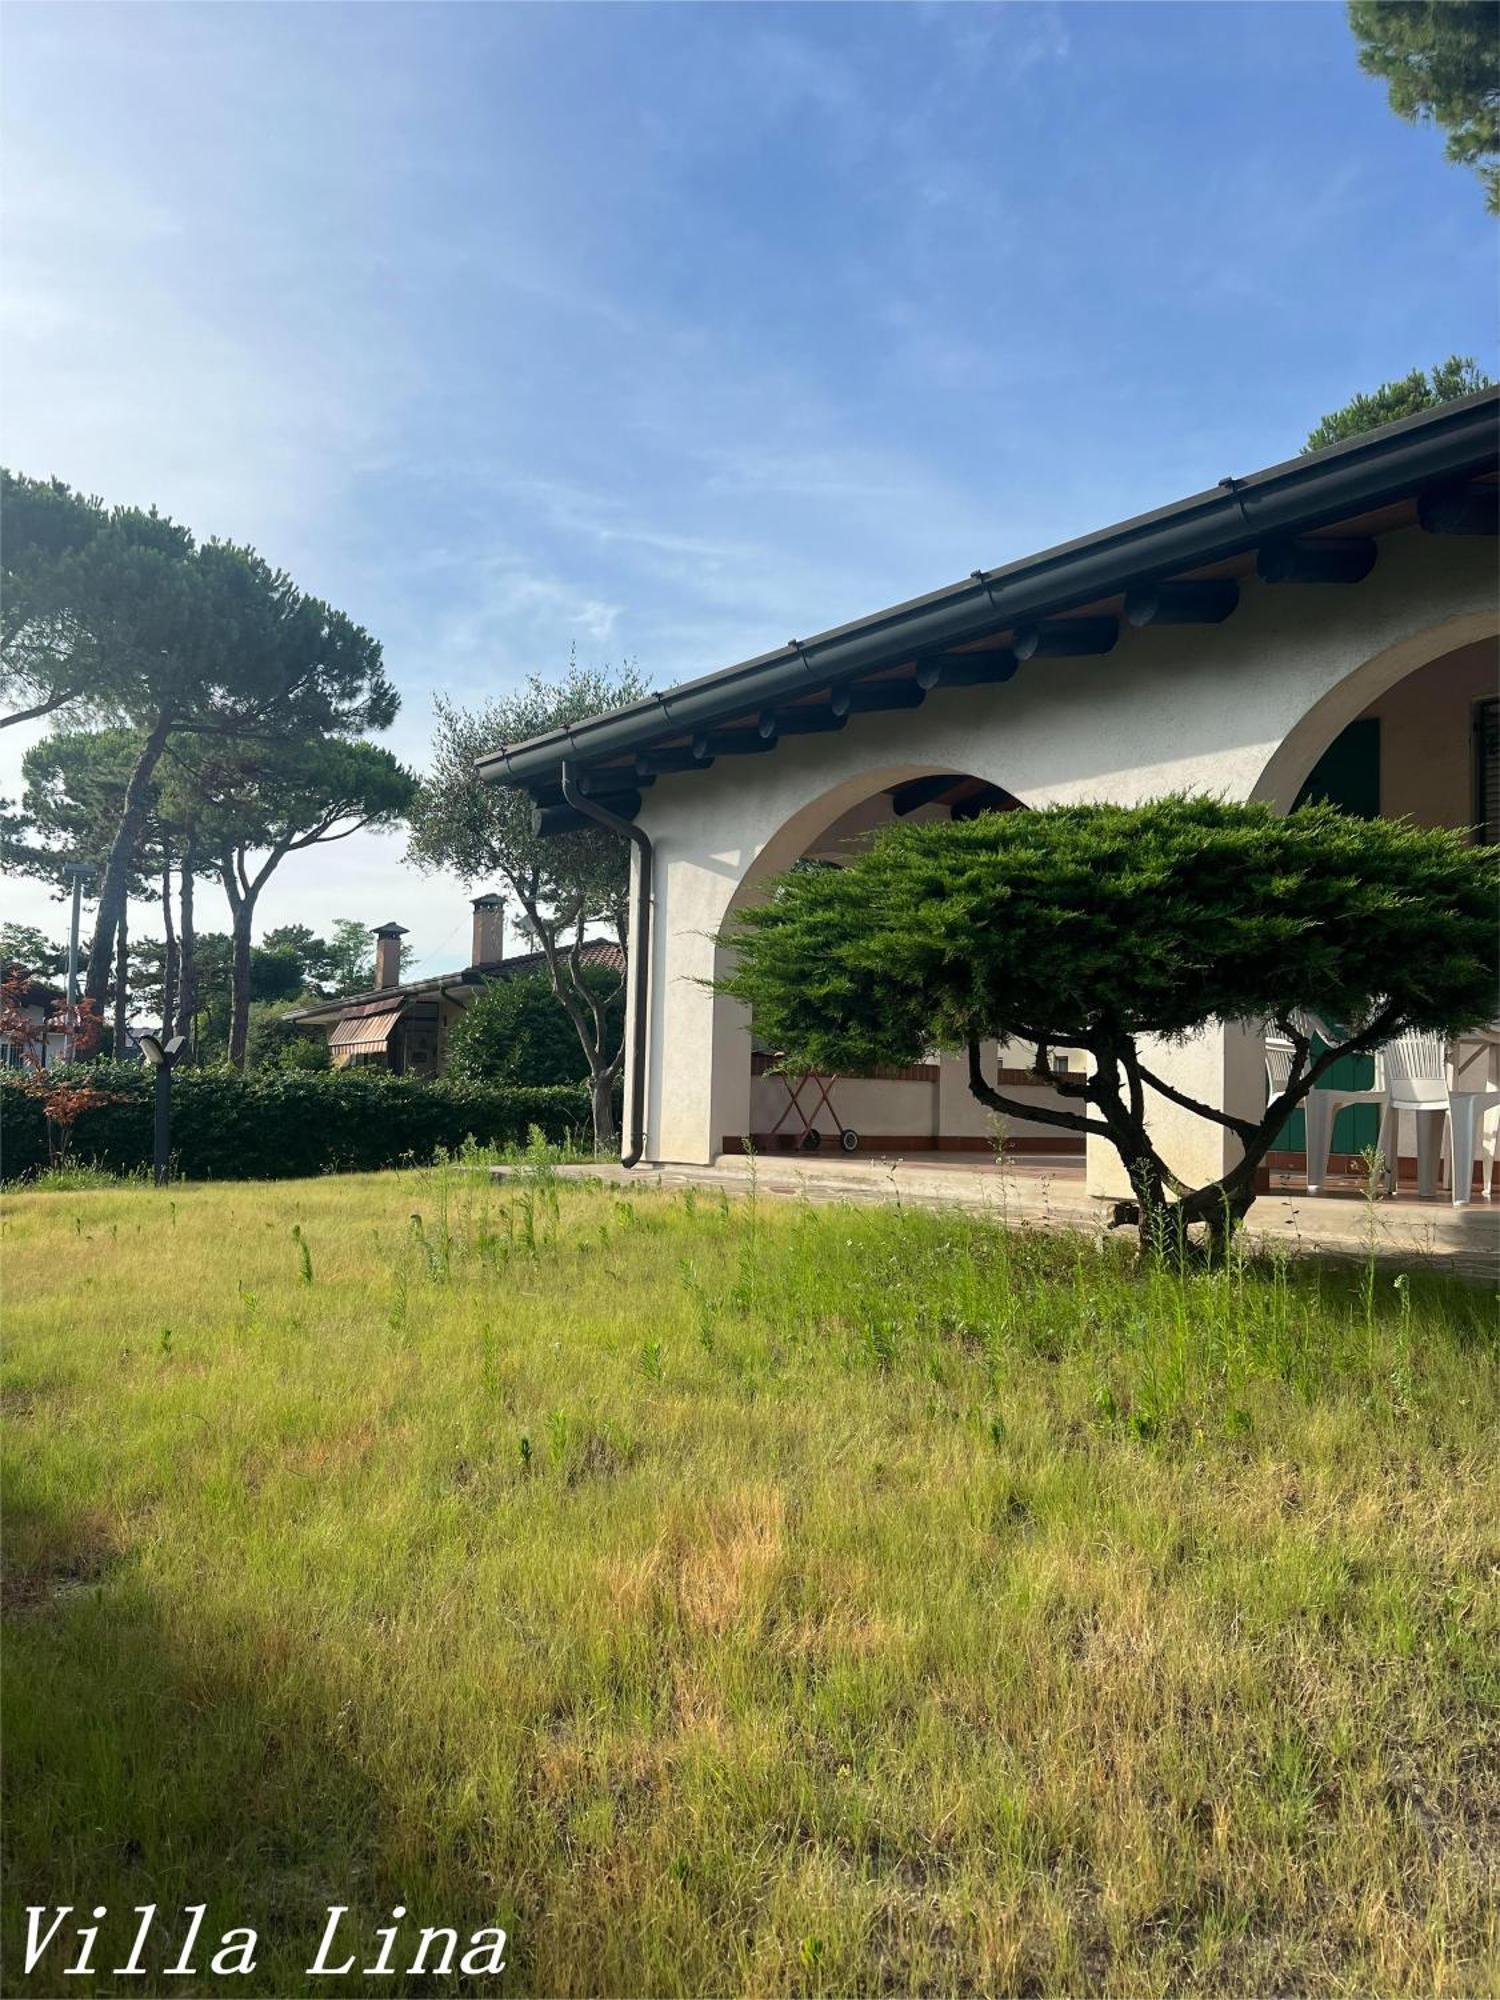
(332, 1009)
(1299, 495)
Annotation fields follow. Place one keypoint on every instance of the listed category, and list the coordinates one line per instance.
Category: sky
(663, 332)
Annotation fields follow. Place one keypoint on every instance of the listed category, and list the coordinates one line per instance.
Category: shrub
(516, 1031)
(304, 1052)
(282, 1123)
(272, 1041)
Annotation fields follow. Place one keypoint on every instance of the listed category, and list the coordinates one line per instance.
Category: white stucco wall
(915, 1110)
(1242, 710)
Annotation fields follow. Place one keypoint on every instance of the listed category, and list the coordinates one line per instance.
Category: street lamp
(163, 1058)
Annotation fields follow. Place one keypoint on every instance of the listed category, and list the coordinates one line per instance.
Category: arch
(1424, 746)
(1292, 761)
(799, 834)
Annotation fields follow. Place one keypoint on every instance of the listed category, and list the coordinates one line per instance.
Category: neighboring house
(38, 1003)
(405, 1027)
(1327, 626)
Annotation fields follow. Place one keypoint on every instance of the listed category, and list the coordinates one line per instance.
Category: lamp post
(163, 1058)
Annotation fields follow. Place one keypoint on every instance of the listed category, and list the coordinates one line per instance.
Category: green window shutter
(1347, 775)
(1487, 772)
(1356, 1127)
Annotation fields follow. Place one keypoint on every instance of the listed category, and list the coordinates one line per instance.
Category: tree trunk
(602, 1097)
(1164, 1224)
(587, 1017)
(187, 969)
(169, 953)
(239, 992)
(1219, 1228)
(122, 984)
(242, 891)
(1221, 1207)
(109, 917)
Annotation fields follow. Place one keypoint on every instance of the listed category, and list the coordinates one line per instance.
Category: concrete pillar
(1222, 1066)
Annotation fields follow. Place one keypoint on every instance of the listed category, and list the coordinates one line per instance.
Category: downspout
(640, 957)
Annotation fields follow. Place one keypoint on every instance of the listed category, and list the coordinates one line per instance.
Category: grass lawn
(742, 1598)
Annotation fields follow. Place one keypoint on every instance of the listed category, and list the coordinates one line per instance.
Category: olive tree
(1096, 926)
(563, 886)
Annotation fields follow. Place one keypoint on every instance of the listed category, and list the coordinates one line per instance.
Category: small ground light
(163, 1058)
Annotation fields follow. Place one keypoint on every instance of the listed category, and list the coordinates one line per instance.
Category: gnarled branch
(1068, 1121)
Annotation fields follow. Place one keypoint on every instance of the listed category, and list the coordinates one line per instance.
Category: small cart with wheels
(808, 1097)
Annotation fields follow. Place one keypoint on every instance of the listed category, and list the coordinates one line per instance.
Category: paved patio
(1037, 1191)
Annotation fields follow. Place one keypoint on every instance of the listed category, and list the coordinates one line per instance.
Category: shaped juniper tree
(1094, 926)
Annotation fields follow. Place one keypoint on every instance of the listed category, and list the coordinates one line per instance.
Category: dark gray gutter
(638, 958)
(1435, 448)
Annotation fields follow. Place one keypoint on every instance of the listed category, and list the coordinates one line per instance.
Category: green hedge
(279, 1124)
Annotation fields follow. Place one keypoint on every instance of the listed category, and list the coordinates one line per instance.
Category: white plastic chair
(1279, 1053)
(1278, 1066)
(1416, 1070)
(1320, 1106)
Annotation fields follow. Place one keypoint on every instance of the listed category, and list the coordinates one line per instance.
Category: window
(1487, 772)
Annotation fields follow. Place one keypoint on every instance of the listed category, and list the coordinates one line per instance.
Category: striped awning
(364, 1031)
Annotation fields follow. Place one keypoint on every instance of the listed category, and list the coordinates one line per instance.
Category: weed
(400, 1301)
(880, 1342)
(81, 1177)
(703, 1311)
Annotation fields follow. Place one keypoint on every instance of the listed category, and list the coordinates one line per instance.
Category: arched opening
(1398, 735)
(1413, 733)
(924, 1111)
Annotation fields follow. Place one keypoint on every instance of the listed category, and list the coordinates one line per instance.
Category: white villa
(1327, 626)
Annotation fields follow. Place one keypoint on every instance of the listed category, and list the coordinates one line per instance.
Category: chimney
(489, 929)
(388, 954)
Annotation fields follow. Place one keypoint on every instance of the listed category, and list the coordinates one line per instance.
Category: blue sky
(669, 331)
